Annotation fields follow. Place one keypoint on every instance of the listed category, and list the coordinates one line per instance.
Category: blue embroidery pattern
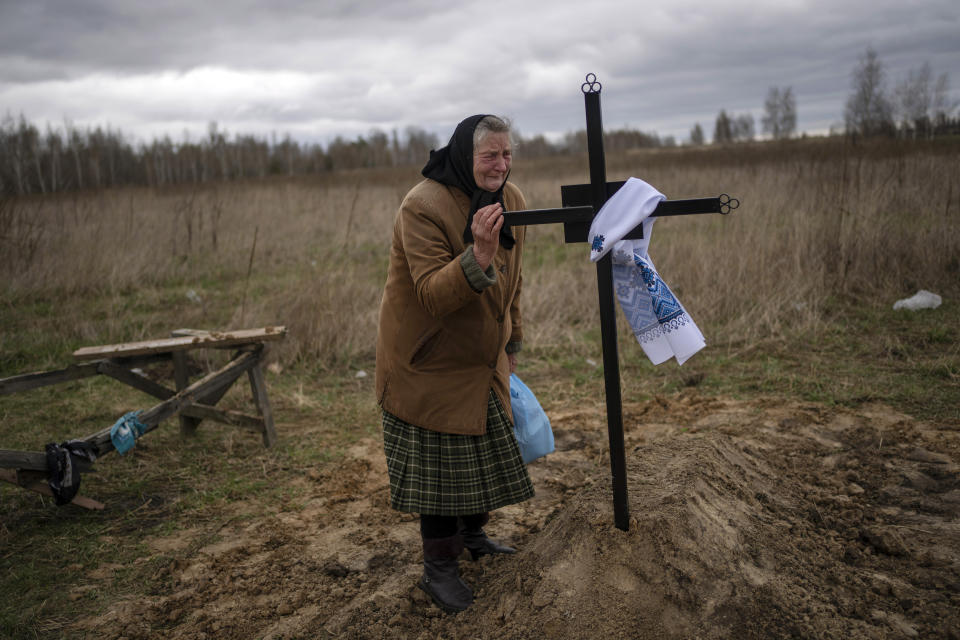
(651, 311)
(597, 243)
(665, 305)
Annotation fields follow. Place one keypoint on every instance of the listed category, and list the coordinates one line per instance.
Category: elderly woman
(447, 342)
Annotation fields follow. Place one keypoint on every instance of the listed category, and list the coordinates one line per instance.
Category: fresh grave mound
(690, 565)
(750, 518)
(726, 540)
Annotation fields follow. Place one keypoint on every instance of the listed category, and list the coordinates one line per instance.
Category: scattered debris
(922, 299)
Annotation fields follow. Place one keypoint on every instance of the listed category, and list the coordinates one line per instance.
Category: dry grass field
(807, 364)
(821, 222)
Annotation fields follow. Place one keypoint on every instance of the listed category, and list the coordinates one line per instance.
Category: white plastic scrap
(922, 299)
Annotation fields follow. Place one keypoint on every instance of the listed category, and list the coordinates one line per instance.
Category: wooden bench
(191, 402)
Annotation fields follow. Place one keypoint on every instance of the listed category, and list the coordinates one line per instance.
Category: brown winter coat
(440, 343)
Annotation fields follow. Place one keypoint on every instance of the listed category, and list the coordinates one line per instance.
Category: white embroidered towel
(662, 326)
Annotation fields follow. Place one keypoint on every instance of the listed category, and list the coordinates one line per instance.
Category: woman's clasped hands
(487, 222)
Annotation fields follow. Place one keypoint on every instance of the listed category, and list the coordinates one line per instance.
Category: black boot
(441, 575)
(479, 545)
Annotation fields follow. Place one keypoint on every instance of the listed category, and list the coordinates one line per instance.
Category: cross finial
(727, 204)
(591, 85)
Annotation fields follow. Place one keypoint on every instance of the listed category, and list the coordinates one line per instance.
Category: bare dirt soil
(749, 519)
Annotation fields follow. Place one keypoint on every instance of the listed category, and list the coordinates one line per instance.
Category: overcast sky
(327, 67)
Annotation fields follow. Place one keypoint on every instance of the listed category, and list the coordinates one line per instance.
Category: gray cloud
(346, 66)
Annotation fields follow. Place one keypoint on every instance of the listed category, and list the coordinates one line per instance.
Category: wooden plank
(184, 398)
(10, 476)
(141, 361)
(190, 420)
(145, 384)
(214, 396)
(259, 388)
(183, 343)
(181, 377)
(202, 333)
(199, 389)
(28, 476)
(178, 333)
(135, 380)
(44, 488)
(204, 407)
(27, 381)
(224, 416)
(201, 410)
(33, 460)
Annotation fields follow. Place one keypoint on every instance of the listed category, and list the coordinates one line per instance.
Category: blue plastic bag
(126, 430)
(531, 426)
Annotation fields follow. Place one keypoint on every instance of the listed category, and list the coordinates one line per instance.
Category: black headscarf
(453, 166)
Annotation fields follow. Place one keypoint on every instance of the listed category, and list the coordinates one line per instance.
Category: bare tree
(941, 106)
(868, 110)
(54, 147)
(76, 145)
(696, 135)
(621, 139)
(537, 147)
(380, 155)
(743, 127)
(732, 128)
(14, 153)
(780, 113)
(722, 129)
(575, 141)
(912, 101)
(419, 144)
(922, 105)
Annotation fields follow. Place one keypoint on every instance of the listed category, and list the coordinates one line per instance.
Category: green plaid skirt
(447, 474)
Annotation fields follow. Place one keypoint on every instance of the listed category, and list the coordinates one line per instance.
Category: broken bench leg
(181, 377)
(259, 389)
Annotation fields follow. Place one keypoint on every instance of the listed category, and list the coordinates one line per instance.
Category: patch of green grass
(942, 335)
(61, 545)
(865, 353)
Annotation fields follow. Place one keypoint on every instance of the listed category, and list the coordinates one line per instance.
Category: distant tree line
(49, 160)
(59, 159)
(919, 106)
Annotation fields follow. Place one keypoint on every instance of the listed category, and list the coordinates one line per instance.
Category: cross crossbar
(577, 219)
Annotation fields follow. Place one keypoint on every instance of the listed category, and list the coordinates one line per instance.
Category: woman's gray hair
(492, 124)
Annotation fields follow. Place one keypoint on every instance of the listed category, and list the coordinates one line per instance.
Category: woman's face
(491, 161)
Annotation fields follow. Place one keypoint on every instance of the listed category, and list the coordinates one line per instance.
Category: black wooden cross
(580, 203)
